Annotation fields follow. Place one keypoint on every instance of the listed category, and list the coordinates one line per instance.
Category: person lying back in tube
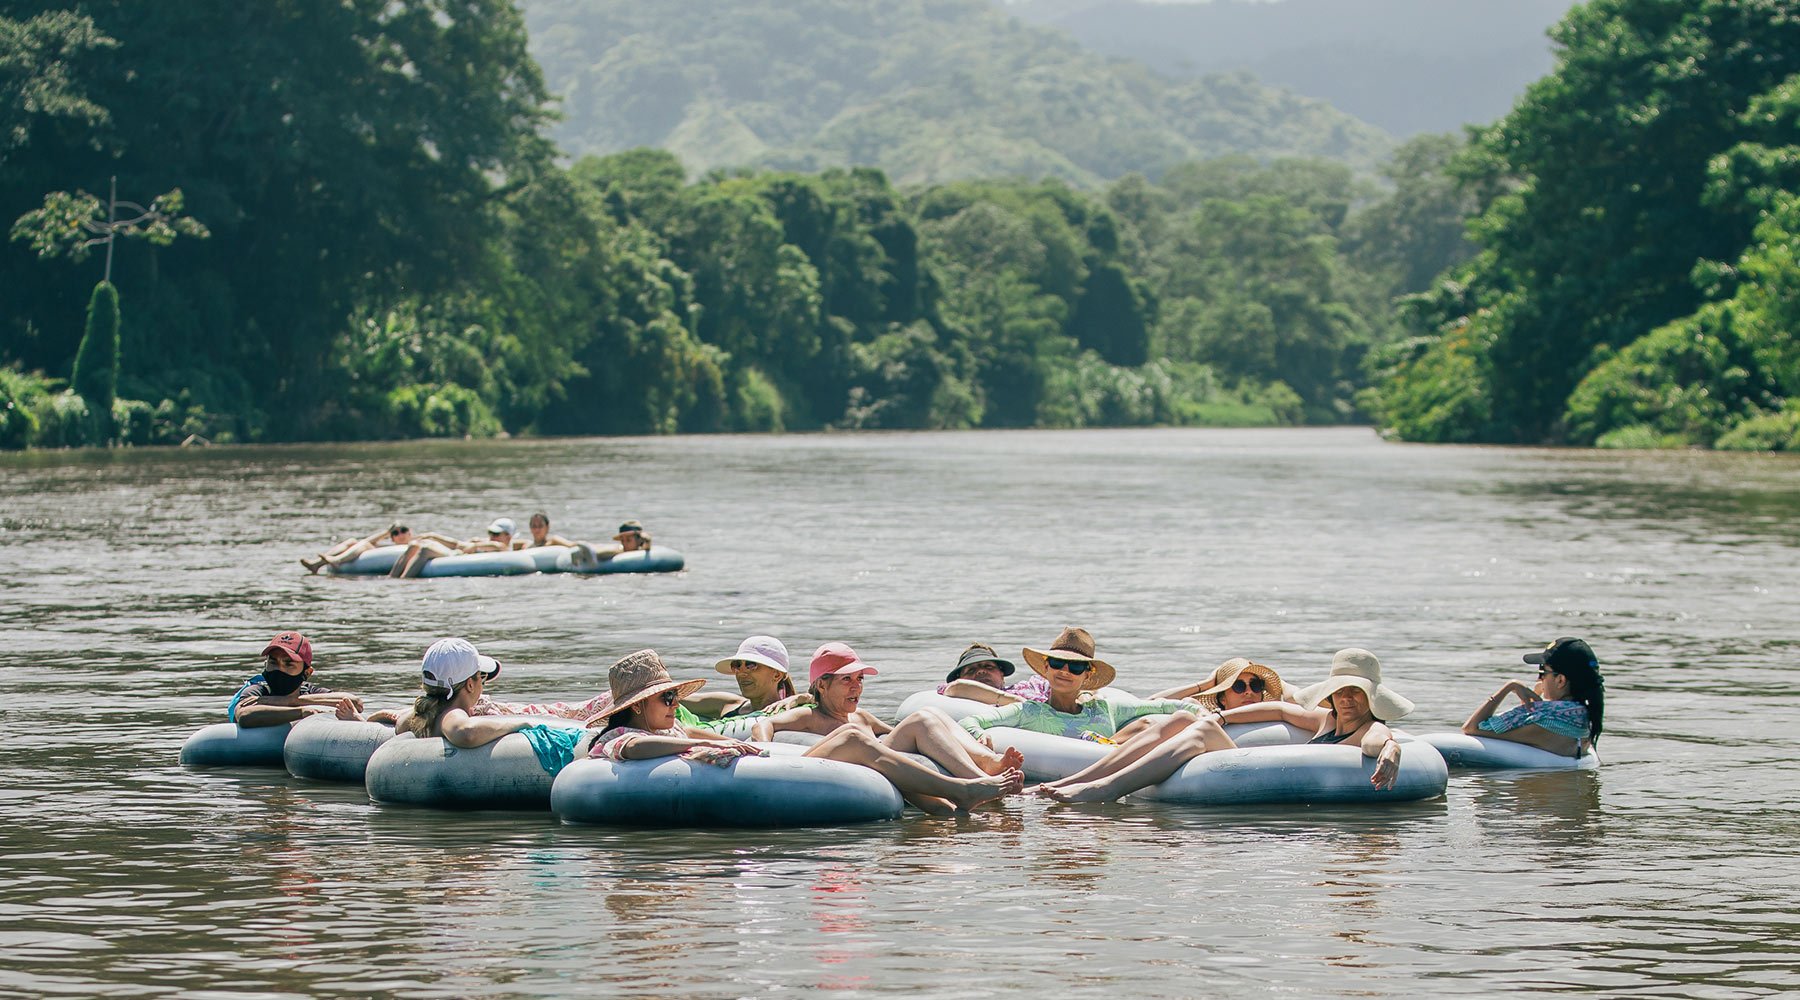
(1072, 671)
(1233, 684)
(976, 773)
(980, 675)
(423, 550)
(1351, 706)
(454, 676)
(284, 691)
(1562, 713)
(348, 550)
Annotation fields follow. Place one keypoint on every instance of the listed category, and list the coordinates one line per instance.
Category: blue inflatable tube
(503, 774)
(1310, 774)
(1482, 752)
(223, 744)
(657, 559)
(326, 748)
(1050, 758)
(784, 789)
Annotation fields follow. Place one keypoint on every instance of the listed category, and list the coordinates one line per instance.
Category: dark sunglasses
(669, 698)
(1076, 667)
(1255, 684)
(1544, 672)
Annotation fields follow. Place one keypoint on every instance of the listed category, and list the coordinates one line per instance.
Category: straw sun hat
(1227, 673)
(1072, 644)
(1358, 668)
(642, 675)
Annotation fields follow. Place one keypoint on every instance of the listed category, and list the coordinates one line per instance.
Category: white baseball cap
(449, 662)
(502, 526)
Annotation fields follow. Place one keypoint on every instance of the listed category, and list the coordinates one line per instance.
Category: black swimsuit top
(1331, 737)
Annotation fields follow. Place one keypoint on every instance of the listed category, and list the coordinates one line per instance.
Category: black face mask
(282, 684)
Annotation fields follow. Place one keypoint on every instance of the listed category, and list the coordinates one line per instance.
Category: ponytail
(428, 708)
(1589, 688)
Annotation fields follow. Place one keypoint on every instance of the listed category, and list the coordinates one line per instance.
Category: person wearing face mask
(283, 692)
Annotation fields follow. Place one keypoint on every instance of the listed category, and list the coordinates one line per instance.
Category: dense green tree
(96, 375)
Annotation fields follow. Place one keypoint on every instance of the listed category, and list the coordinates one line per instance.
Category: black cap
(979, 654)
(1565, 654)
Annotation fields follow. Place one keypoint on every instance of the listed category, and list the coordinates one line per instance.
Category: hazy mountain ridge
(928, 90)
(1407, 66)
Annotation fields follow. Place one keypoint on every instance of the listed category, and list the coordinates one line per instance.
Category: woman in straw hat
(1071, 669)
(642, 722)
(1233, 684)
(1351, 706)
(1562, 713)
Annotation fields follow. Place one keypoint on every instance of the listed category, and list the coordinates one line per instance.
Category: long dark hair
(428, 707)
(1588, 687)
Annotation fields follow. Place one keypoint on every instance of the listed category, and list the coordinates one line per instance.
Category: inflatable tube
(480, 564)
(656, 559)
(544, 556)
(1298, 774)
(1463, 751)
(1048, 758)
(375, 562)
(223, 744)
(784, 789)
(504, 774)
(326, 748)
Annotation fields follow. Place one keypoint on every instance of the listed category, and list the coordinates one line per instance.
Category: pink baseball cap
(294, 644)
(837, 659)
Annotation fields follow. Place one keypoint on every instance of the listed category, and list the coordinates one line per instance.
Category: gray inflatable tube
(378, 561)
(326, 748)
(962, 708)
(1048, 758)
(1464, 751)
(225, 745)
(1299, 774)
(784, 789)
(656, 559)
(504, 774)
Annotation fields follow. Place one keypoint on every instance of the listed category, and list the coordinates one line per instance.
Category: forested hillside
(926, 90)
(1639, 276)
(1408, 66)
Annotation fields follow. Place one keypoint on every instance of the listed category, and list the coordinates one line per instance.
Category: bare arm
(977, 691)
(765, 728)
(879, 727)
(432, 536)
(1276, 711)
(1378, 742)
(1184, 691)
(714, 704)
(468, 731)
(1486, 709)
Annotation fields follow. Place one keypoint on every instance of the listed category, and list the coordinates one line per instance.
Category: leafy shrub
(133, 421)
(441, 410)
(1778, 431)
(22, 396)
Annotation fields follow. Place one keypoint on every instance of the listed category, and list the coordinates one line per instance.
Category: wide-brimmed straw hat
(1358, 668)
(1227, 673)
(762, 649)
(642, 675)
(1072, 644)
(979, 652)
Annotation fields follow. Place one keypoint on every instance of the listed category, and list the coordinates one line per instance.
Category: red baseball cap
(837, 659)
(295, 644)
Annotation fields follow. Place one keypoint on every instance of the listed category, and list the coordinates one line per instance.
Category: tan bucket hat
(1227, 673)
(1358, 668)
(642, 675)
(1072, 644)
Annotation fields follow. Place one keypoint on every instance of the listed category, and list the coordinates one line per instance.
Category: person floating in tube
(284, 692)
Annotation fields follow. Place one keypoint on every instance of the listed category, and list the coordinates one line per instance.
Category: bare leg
(933, 734)
(858, 746)
(1153, 735)
(346, 555)
(417, 555)
(1134, 727)
(1151, 768)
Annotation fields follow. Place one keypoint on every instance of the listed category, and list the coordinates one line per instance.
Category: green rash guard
(1099, 715)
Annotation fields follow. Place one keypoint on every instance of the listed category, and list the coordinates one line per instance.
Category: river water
(136, 588)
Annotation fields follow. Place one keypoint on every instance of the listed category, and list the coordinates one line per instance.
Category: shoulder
(308, 687)
(254, 686)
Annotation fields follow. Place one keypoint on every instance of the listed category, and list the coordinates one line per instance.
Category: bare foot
(1011, 760)
(1078, 793)
(315, 565)
(975, 791)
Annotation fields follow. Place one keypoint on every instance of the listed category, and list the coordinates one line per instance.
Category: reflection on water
(140, 583)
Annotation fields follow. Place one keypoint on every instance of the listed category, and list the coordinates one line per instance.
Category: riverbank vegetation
(380, 241)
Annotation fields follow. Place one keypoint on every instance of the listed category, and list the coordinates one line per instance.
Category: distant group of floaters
(422, 547)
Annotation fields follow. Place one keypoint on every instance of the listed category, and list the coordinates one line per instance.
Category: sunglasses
(669, 698)
(1076, 667)
(1255, 684)
(1544, 672)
